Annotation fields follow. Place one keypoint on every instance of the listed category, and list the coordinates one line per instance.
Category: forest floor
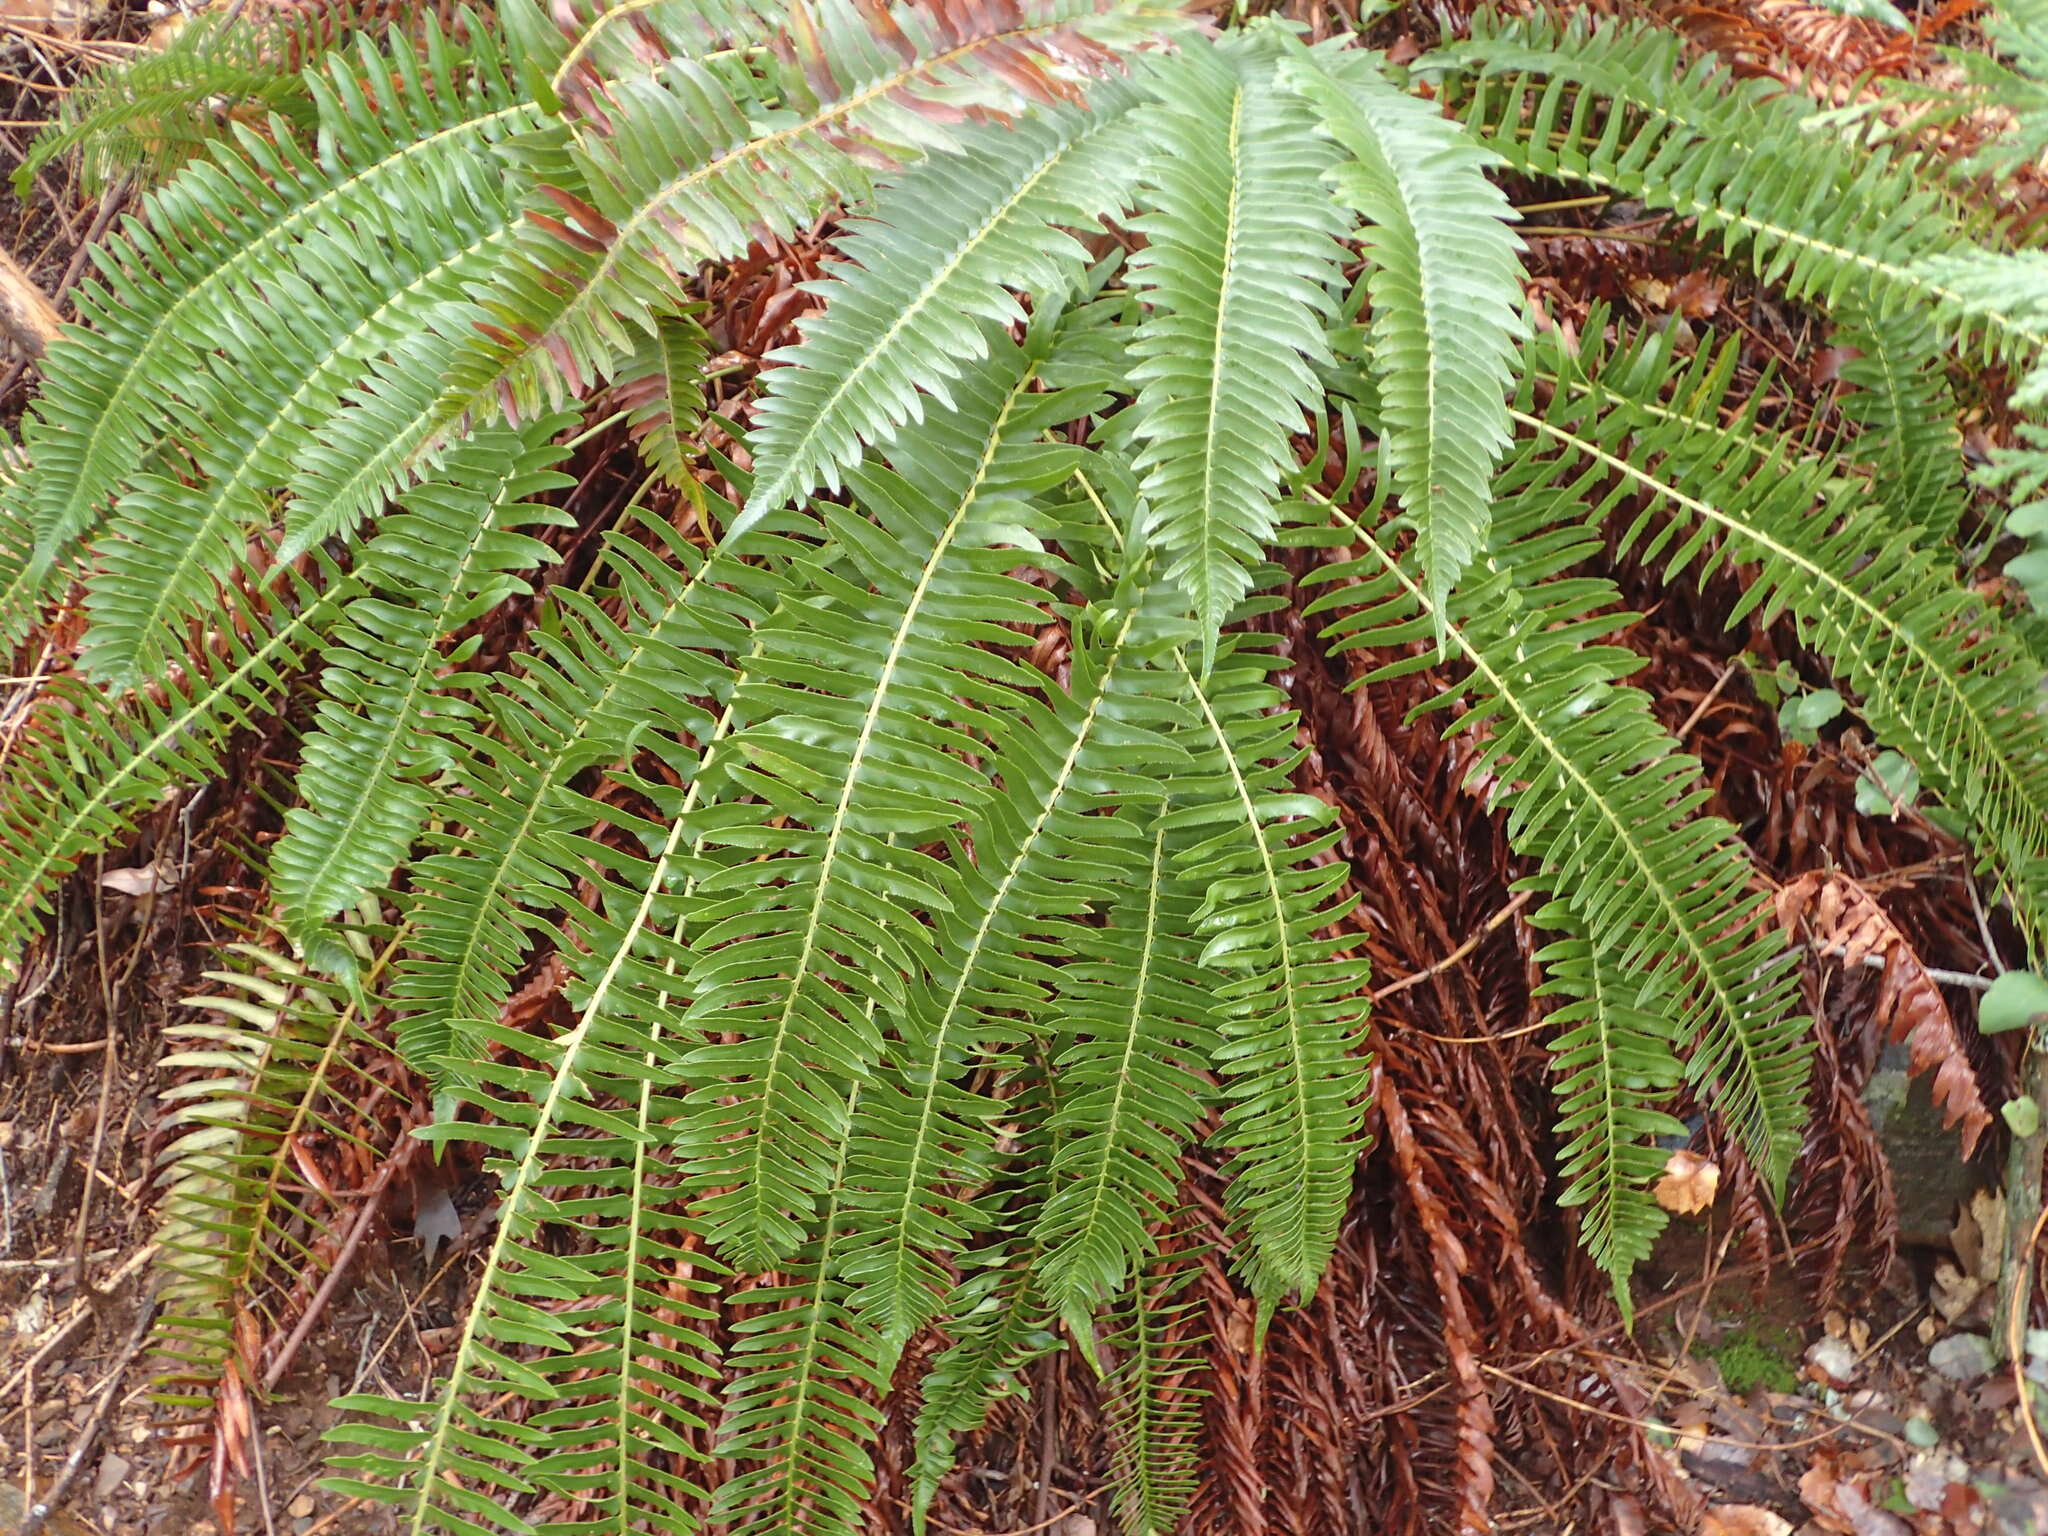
(1881, 1412)
(1885, 1415)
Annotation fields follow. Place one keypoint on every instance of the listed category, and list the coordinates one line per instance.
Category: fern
(1937, 671)
(87, 765)
(918, 285)
(1445, 286)
(1612, 108)
(212, 247)
(1043, 849)
(622, 1438)
(1135, 1002)
(921, 830)
(701, 158)
(1240, 248)
(1617, 1067)
(1906, 416)
(150, 116)
(1153, 1414)
(236, 1210)
(22, 587)
(597, 686)
(1001, 1330)
(1597, 791)
(1287, 1008)
(451, 557)
(799, 1410)
(2016, 86)
(844, 757)
(662, 388)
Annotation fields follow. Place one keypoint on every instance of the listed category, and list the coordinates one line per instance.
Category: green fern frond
(225, 251)
(996, 1315)
(1446, 287)
(236, 1212)
(662, 389)
(576, 47)
(923, 876)
(621, 1377)
(1901, 400)
(89, 763)
(1136, 1007)
(22, 586)
(605, 678)
(450, 557)
(1000, 1326)
(2006, 289)
(1937, 673)
(1288, 1009)
(2013, 85)
(1617, 1067)
(799, 1408)
(854, 714)
(1152, 1409)
(1613, 107)
(703, 158)
(171, 540)
(1045, 847)
(1597, 791)
(925, 273)
(148, 115)
(1241, 245)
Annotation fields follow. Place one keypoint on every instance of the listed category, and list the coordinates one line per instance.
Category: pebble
(1962, 1356)
(1835, 1361)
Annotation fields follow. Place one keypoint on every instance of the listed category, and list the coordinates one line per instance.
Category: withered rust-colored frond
(1843, 921)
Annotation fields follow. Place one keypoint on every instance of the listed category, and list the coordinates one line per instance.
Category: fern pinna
(903, 784)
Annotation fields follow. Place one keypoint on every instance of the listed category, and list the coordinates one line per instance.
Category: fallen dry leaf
(1689, 1184)
(1953, 1293)
(1979, 1234)
(1691, 1424)
(1979, 1242)
(143, 880)
(1697, 296)
(1743, 1520)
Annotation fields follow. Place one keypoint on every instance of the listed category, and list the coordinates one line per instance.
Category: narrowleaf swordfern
(902, 968)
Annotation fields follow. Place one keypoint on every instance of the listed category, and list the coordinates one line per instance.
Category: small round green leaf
(2015, 1000)
(2022, 1116)
(1803, 716)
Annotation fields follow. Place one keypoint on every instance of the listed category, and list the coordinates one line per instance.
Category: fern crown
(903, 789)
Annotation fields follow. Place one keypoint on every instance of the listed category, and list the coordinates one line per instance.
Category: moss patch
(1757, 1357)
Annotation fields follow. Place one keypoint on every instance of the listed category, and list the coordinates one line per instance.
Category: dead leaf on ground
(1978, 1239)
(1689, 1184)
(142, 880)
(1744, 1520)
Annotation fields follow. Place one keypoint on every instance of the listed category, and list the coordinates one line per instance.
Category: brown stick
(372, 1203)
(26, 313)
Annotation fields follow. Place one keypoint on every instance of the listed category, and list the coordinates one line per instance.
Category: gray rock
(1962, 1356)
(1929, 1174)
(1834, 1359)
(2018, 1514)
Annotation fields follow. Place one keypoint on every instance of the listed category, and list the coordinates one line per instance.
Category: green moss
(1757, 1357)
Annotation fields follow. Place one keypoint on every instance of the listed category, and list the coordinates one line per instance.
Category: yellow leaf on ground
(1689, 1183)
